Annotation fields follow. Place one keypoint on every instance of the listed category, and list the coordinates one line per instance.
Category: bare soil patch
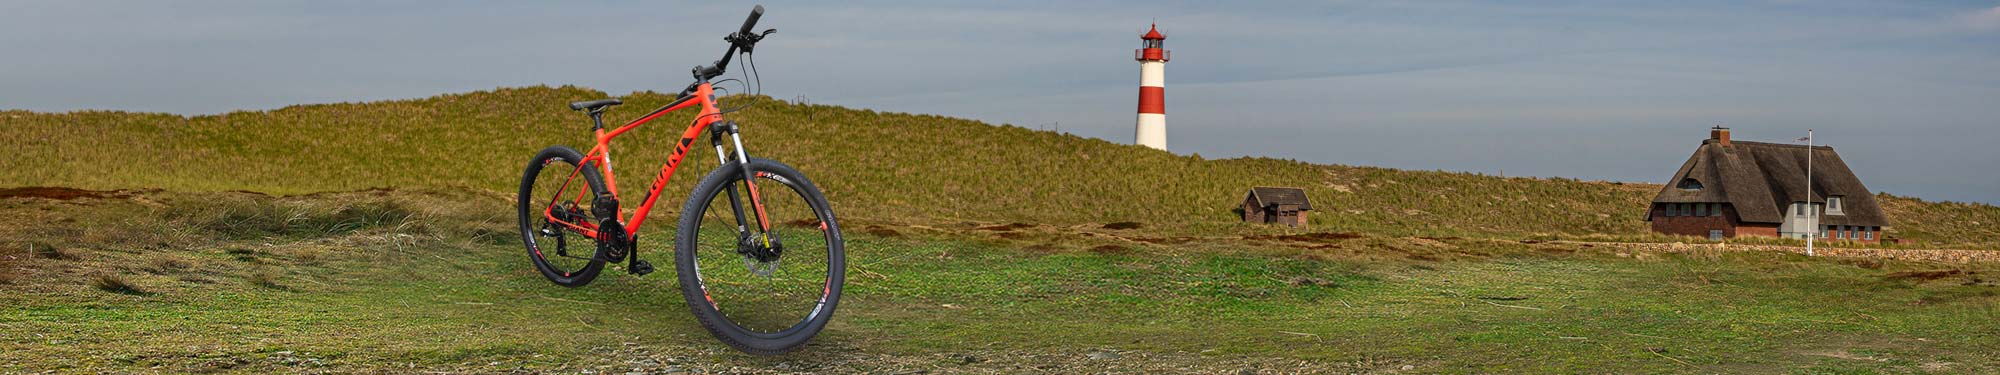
(1007, 227)
(881, 231)
(1309, 237)
(1111, 249)
(57, 193)
(1922, 275)
(1123, 225)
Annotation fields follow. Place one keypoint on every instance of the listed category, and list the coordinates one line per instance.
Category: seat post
(597, 118)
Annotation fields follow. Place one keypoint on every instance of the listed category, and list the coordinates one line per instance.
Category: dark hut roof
(1761, 179)
(1267, 196)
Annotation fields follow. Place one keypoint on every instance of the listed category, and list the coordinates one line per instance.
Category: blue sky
(1909, 92)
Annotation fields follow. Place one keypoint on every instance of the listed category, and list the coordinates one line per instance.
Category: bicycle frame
(600, 155)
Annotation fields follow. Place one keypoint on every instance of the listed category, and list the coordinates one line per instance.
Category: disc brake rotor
(761, 269)
(761, 254)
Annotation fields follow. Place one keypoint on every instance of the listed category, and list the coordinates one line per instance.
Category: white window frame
(1833, 205)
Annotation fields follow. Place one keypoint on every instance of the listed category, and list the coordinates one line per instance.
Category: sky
(1908, 92)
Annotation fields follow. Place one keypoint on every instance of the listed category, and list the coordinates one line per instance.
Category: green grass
(882, 167)
(435, 290)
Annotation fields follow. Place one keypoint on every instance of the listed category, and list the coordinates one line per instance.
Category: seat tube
(610, 180)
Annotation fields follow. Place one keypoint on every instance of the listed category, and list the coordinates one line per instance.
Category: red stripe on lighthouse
(1152, 99)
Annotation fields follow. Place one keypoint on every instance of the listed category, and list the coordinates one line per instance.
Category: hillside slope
(875, 167)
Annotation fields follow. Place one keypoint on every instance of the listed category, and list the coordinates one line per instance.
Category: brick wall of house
(1758, 230)
(1859, 235)
(1697, 226)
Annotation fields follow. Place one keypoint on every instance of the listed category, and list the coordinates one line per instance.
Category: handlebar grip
(755, 13)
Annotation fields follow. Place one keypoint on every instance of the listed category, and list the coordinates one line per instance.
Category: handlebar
(742, 40)
(755, 13)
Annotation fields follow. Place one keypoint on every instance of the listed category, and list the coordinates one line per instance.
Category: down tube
(666, 173)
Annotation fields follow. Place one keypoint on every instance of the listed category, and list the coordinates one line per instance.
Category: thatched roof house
(1730, 188)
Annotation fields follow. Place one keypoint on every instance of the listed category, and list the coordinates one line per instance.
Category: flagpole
(1812, 214)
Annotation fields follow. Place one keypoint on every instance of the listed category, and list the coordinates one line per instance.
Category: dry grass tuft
(116, 284)
(165, 264)
(46, 251)
(266, 278)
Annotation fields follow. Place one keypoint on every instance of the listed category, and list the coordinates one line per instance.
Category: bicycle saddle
(594, 104)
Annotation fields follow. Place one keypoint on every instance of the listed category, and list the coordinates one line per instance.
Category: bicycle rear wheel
(762, 292)
(555, 194)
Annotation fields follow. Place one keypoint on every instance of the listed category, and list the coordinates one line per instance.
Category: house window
(1689, 184)
(1833, 205)
(1714, 234)
(1799, 209)
(1868, 235)
(1700, 209)
(1823, 231)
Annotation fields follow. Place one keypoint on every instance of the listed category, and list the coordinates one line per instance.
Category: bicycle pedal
(640, 267)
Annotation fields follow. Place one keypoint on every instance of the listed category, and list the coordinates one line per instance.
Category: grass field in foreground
(435, 281)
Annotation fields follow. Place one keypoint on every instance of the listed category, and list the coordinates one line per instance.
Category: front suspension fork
(749, 179)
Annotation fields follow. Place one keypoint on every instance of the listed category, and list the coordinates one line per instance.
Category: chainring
(612, 241)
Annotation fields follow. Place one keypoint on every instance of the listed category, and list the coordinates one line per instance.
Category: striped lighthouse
(1151, 130)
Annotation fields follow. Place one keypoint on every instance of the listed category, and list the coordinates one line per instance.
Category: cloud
(1983, 20)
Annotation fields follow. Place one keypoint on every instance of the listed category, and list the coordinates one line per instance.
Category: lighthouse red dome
(1153, 33)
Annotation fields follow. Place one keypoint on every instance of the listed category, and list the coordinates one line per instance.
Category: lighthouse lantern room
(1151, 129)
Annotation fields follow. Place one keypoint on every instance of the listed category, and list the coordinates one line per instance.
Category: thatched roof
(1761, 179)
(1268, 196)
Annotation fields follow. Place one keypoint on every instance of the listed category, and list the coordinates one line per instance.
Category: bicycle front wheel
(762, 292)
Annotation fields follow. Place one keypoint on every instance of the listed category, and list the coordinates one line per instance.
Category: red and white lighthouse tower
(1151, 130)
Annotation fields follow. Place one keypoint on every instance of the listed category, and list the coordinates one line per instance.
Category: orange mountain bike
(758, 252)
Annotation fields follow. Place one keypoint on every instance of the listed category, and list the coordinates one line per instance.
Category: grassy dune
(883, 167)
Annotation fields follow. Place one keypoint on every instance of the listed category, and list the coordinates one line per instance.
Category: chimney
(1719, 134)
